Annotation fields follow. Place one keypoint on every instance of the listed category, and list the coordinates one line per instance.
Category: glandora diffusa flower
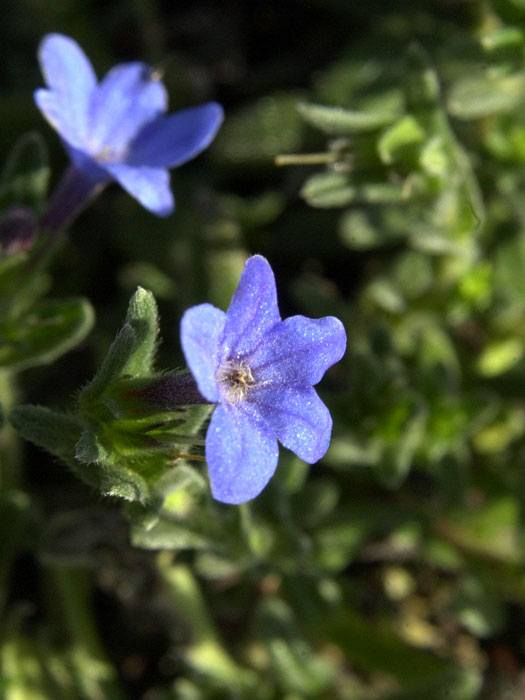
(260, 371)
(117, 129)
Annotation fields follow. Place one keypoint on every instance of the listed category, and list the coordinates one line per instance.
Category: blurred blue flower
(117, 129)
(260, 370)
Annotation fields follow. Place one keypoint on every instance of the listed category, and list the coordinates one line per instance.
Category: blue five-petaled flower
(117, 129)
(260, 370)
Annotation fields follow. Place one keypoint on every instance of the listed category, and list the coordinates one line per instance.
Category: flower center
(107, 154)
(236, 380)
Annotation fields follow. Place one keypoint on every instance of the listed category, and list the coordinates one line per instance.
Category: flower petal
(253, 309)
(241, 456)
(71, 79)
(62, 121)
(173, 140)
(127, 99)
(298, 417)
(85, 163)
(150, 186)
(200, 332)
(299, 350)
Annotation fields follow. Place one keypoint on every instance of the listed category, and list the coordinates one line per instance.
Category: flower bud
(18, 230)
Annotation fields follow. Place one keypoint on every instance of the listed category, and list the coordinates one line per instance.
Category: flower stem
(305, 159)
(73, 193)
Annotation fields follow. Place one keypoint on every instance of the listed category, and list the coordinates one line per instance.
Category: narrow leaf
(337, 121)
(45, 333)
(25, 176)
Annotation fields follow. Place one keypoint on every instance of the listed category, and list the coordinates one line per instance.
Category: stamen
(236, 380)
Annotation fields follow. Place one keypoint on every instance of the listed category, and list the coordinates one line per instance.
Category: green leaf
(482, 95)
(478, 609)
(256, 211)
(499, 356)
(509, 265)
(166, 534)
(20, 286)
(260, 131)
(422, 83)
(395, 141)
(204, 653)
(25, 176)
(336, 545)
(34, 670)
(58, 433)
(455, 684)
(294, 664)
(183, 481)
(363, 229)
(376, 648)
(119, 481)
(176, 523)
(503, 39)
(50, 329)
(337, 121)
(329, 189)
(397, 459)
(413, 275)
(490, 531)
(382, 293)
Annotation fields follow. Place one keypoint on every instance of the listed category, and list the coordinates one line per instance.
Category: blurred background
(394, 568)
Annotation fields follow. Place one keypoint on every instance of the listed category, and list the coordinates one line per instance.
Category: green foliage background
(394, 568)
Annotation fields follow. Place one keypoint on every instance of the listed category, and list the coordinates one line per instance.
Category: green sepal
(122, 440)
(131, 443)
(133, 350)
(25, 176)
(44, 333)
(99, 450)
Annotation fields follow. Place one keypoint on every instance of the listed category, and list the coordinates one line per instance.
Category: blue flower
(260, 370)
(117, 129)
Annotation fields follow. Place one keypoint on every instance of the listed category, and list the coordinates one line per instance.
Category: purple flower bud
(18, 230)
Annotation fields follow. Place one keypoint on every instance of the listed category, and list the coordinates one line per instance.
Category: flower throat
(236, 380)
